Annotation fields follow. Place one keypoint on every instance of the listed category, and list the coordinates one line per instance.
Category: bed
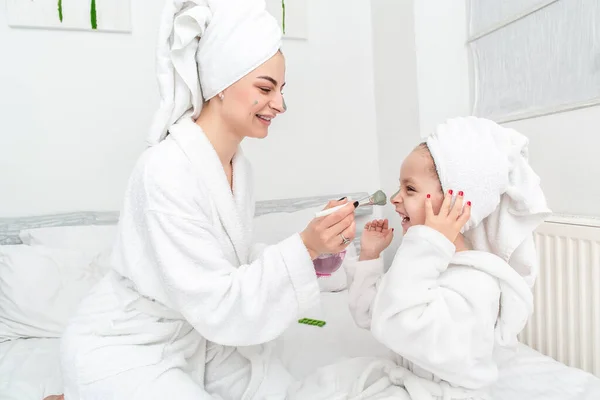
(75, 247)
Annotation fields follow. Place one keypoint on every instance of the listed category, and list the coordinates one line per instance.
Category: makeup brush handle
(329, 211)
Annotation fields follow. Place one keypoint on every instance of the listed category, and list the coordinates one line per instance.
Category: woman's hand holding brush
(331, 233)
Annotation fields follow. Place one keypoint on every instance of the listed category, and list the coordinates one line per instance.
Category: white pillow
(40, 288)
(274, 227)
(91, 239)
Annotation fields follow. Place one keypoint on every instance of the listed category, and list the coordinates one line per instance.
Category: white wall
(564, 152)
(75, 108)
(74, 111)
(421, 79)
(442, 61)
(396, 96)
(327, 140)
(564, 147)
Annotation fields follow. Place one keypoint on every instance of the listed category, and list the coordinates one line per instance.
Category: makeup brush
(376, 199)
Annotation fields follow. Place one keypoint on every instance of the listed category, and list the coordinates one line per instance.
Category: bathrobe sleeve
(363, 280)
(226, 303)
(256, 251)
(441, 319)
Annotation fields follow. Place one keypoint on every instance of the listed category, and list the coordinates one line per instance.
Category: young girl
(459, 289)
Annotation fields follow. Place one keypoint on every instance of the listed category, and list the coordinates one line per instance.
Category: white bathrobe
(191, 305)
(443, 315)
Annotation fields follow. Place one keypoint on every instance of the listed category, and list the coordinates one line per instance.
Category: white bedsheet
(533, 376)
(29, 369)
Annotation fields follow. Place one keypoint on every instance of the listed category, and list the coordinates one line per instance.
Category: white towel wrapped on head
(490, 164)
(205, 46)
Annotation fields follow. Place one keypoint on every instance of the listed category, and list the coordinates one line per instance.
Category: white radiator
(566, 321)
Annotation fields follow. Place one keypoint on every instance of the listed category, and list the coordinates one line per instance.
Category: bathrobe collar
(235, 210)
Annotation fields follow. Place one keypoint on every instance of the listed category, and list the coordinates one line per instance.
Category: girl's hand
(376, 237)
(451, 218)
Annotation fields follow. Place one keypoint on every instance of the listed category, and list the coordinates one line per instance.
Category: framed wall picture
(94, 15)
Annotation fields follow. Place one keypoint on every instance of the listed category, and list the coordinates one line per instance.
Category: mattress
(528, 376)
(29, 368)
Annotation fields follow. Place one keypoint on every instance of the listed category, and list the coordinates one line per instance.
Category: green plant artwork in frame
(91, 15)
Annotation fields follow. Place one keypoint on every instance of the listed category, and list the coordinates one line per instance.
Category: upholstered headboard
(10, 227)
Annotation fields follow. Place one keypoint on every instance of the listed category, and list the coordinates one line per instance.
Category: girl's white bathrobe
(445, 316)
(190, 306)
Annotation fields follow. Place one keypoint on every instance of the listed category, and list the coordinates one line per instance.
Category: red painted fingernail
(392, 229)
(469, 203)
(460, 193)
(428, 196)
(450, 191)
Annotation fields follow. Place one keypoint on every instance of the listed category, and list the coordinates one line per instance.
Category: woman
(190, 306)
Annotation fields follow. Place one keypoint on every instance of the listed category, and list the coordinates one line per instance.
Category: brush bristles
(379, 198)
